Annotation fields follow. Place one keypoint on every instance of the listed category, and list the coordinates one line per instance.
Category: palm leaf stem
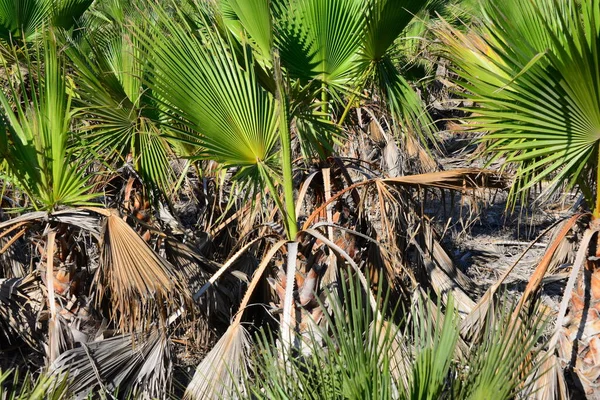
(355, 94)
(286, 154)
(347, 109)
(596, 212)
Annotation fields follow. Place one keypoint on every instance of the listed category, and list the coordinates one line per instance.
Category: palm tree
(248, 84)
(123, 117)
(532, 69)
(241, 91)
(42, 159)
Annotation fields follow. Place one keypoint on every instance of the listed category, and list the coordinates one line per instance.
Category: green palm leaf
(253, 16)
(534, 72)
(35, 136)
(216, 95)
(25, 18)
(386, 20)
(319, 39)
(110, 70)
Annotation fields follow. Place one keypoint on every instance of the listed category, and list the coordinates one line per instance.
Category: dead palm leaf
(579, 333)
(134, 364)
(458, 179)
(141, 285)
(197, 271)
(20, 303)
(472, 325)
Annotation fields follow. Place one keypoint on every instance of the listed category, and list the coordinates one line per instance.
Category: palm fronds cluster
(239, 186)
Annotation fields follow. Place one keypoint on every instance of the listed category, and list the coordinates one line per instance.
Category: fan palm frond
(110, 73)
(132, 364)
(320, 39)
(532, 69)
(219, 373)
(25, 18)
(20, 302)
(36, 132)
(230, 117)
(141, 285)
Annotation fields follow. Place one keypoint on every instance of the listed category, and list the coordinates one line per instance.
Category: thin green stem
(347, 109)
(324, 99)
(596, 213)
(355, 94)
(286, 153)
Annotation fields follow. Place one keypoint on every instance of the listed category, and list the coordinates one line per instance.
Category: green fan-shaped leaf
(534, 72)
(319, 39)
(215, 94)
(25, 18)
(37, 130)
(110, 70)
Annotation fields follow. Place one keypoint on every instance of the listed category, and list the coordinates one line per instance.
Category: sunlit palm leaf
(39, 160)
(319, 39)
(254, 16)
(217, 96)
(25, 18)
(67, 12)
(385, 22)
(110, 71)
(533, 70)
(386, 19)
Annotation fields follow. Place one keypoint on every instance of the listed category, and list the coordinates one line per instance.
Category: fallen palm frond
(134, 364)
(141, 285)
(549, 381)
(220, 371)
(197, 271)
(12, 256)
(472, 324)
(577, 334)
(458, 179)
(20, 303)
(445, 286)
(445, 277)
(53, 324)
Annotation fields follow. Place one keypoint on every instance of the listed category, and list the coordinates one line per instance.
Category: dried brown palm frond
(444, 277)
(20, 303)
(13, 251)
(457, 179)
(387, 212)
(141, 285)
(137, 364)
(444, 285)
(217, 375)
(577, 331)
(12, 259)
